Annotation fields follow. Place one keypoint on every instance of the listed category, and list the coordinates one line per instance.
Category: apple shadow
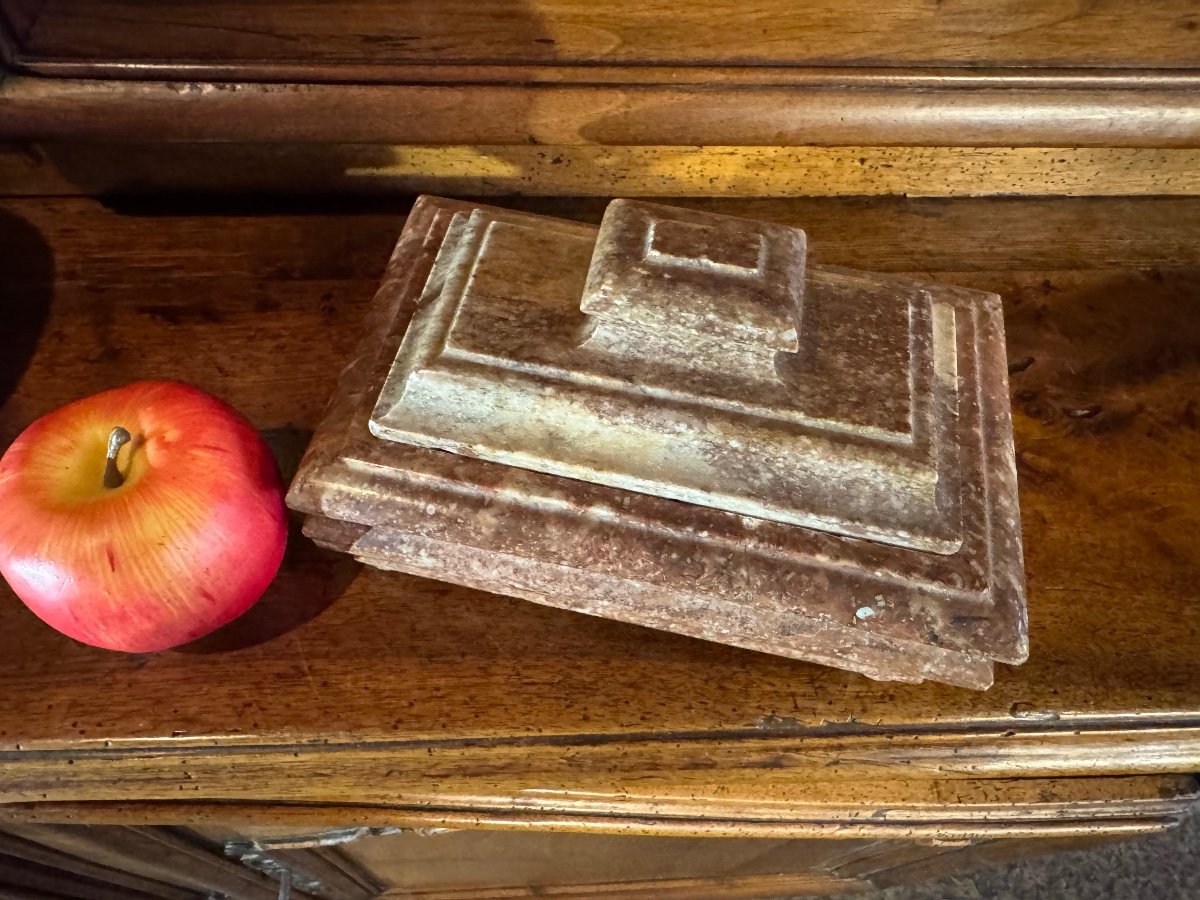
(309, 579)
(26, 290)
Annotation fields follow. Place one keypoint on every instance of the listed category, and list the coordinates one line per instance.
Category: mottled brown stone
(674, 421)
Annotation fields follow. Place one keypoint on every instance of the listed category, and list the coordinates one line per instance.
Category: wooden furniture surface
(568, 73)
(64, 168)
(138, 863)
(618, 761)
(108, 34)
(355, 696)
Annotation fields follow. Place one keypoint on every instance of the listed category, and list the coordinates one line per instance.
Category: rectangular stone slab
(891, 611)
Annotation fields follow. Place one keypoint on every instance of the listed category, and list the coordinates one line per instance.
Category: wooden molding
(554, 72)
(710, 787)
(853, 45)
(642, 115)
(591, 74)
(248, 814)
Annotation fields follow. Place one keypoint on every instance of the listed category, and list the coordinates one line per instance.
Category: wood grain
(318, 816)
(462, 864)
(772, 789)
(771, 32)
(473, 860)
(342, 675)
(921, 77)
(38, 109)
(371, 169)
(757, 887)
(508, 863)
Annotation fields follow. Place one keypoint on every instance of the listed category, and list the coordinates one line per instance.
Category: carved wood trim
(71, 109)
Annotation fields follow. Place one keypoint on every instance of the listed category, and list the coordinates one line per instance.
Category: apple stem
(116, 440)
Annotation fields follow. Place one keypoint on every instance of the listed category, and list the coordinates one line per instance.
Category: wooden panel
(459, 864)
(776, 32)
(98, 169)
(646, 115)
(467, 860)
(512, 697)
(471, 864)
(759, 887)
(20, 873)
(978, 855)
(40, 854)
(155, 854)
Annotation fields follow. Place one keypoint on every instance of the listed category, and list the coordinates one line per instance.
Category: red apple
(180, 533)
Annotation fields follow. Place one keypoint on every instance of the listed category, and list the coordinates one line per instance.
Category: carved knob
(663, 269)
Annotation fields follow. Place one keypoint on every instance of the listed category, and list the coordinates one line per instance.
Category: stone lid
(662, 355)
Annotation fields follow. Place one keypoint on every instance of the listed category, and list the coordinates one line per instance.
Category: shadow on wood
(25, 293)
(309, 580)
